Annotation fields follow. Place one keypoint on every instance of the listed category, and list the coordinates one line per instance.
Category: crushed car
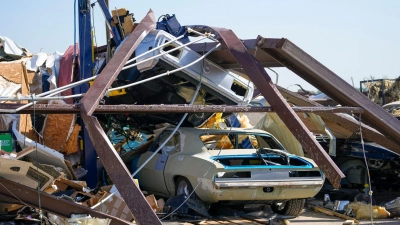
(234, 166)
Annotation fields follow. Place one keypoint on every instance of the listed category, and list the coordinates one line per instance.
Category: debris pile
(386, 89)
(76, 162)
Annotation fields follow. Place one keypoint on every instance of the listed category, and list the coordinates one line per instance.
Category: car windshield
(233, 140)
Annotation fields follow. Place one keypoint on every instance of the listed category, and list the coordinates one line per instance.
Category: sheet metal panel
(263, 82)
(50, 203)
(331, 84)
(116, 169)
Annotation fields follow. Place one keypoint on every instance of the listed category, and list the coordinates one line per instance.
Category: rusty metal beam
(343, 121)
(261, 79)
(115, 167)
(224, 58)
(115, 109)
(331, 84)
(50, 203)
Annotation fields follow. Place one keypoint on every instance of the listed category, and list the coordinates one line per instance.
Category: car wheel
(291, 207)
(376, 163)
(184, 187)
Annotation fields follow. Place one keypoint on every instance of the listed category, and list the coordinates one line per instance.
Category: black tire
(291, 207)
(183, 186)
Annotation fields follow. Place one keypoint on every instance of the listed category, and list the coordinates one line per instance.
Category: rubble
(383, 91)
(154, 64)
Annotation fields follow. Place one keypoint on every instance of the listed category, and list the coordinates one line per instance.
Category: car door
(151, 177)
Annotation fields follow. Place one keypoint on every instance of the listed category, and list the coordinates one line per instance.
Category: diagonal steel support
(50, 203)
(331, 84)
(261, 79)
(343, 121)
(116, 169)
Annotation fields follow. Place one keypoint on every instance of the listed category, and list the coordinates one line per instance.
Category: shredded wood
(72, 145)
(57, 129)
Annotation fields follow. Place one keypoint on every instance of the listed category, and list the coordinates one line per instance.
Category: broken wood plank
(331, 213)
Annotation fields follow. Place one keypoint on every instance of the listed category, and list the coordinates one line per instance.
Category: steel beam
(343, 121)
(312, 71)
(262, 80)
(118, 109)
(224, 58)
(115, 167)
(50, 203)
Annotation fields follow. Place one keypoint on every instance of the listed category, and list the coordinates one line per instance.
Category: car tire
(183, 186)
(291, 207)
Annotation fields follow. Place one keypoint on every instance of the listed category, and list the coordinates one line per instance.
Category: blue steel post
(85, 71)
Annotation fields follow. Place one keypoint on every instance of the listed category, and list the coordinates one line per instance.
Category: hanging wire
(37, 168)
(368, 174)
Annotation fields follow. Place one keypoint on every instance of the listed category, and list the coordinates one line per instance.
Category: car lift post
(86, 66)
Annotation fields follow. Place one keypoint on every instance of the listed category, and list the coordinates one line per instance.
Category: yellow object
(363, 211)
(113, 93)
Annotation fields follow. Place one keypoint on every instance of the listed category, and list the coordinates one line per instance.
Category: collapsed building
(78, 126)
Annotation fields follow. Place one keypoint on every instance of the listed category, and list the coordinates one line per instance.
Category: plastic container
(6, 141)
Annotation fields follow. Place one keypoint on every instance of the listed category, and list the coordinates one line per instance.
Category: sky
(356, 39)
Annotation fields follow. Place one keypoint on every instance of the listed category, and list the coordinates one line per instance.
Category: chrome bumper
(282, 184)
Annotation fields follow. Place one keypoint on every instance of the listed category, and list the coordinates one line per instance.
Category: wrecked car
(235, 166)
(383, 164)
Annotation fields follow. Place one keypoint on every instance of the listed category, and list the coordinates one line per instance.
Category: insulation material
(244, 121)
(78, 219)
(72, 145)
(213, 121)
(396, 112)
(391, 91)
(187, 93)
(11, 49)
(8, 88)
(363, 211)
(57, 129)
(25, 173)
(36, 61)
(274, 125)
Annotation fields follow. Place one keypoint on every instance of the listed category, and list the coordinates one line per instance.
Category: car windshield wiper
(285, 157)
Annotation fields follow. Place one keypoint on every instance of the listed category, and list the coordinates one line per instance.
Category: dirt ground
(307, 217)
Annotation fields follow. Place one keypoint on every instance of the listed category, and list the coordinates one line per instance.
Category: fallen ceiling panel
(256, 72)
(312, 71)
